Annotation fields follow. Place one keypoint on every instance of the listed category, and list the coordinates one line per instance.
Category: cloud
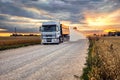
(102, 19)
(29, 12)
(7, 1)
(2, 29)
(38, 12)
(23, 24)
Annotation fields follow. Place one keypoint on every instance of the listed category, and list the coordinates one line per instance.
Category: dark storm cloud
(10, 26)
(69, 10)
(17, 8)
(74, 7)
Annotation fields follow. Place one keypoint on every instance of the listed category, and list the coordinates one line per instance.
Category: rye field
(103, 62)
(18, 41)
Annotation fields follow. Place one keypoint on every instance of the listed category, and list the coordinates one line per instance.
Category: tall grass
(103, 62)
(14, 42)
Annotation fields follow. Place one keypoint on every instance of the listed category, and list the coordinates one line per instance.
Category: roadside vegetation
(103, 61)
(18, 41)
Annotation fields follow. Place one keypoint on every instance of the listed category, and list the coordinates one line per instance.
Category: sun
(99, 21)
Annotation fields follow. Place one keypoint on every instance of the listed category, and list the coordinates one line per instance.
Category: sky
(86, 15)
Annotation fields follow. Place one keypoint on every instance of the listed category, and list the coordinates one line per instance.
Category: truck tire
(44, 43)
(60, 39)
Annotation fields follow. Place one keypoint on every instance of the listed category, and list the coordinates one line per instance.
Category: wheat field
(9, 42)
(105, 62)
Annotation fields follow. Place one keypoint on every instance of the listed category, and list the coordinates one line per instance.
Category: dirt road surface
(44, 62)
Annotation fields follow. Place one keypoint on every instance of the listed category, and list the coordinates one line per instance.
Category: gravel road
(44, 62)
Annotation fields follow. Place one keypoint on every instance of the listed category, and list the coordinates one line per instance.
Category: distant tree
(74, 27)
(118, 33)
(31, 34)
(16, 34)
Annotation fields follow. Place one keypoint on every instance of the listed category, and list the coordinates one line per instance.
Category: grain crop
(103, 62)
(11, 42)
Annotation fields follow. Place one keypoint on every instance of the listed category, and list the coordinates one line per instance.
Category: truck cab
(51, 32)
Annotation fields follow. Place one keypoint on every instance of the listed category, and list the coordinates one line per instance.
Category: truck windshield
(48, 28)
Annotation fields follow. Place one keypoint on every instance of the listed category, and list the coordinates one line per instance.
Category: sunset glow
(110, 30)
(5, 34)
(103, 20)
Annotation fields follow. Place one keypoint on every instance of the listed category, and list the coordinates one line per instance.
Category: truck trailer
(54, 32)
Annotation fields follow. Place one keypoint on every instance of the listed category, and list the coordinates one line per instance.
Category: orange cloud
(103, 20)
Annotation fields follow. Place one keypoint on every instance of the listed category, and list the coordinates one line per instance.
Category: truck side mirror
(57, 29)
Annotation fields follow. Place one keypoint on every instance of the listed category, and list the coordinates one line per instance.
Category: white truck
(54, 32)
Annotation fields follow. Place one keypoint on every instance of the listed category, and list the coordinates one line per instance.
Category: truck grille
(48, 35)
(49, 40)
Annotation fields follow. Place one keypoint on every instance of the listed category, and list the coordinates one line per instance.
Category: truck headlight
(43, 40)
(55, 40)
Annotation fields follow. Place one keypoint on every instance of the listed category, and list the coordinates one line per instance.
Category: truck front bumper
(50, 40)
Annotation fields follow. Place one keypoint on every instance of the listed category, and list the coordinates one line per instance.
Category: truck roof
(50, 23)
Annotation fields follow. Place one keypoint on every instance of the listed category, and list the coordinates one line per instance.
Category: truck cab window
(48, 28)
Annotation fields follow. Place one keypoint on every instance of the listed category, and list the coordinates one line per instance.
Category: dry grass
(12, 42)
(104, 59)
(108, 51)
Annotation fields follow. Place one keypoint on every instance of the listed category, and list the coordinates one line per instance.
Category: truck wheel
(68, 38)
(60, 39)
(43, 43)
